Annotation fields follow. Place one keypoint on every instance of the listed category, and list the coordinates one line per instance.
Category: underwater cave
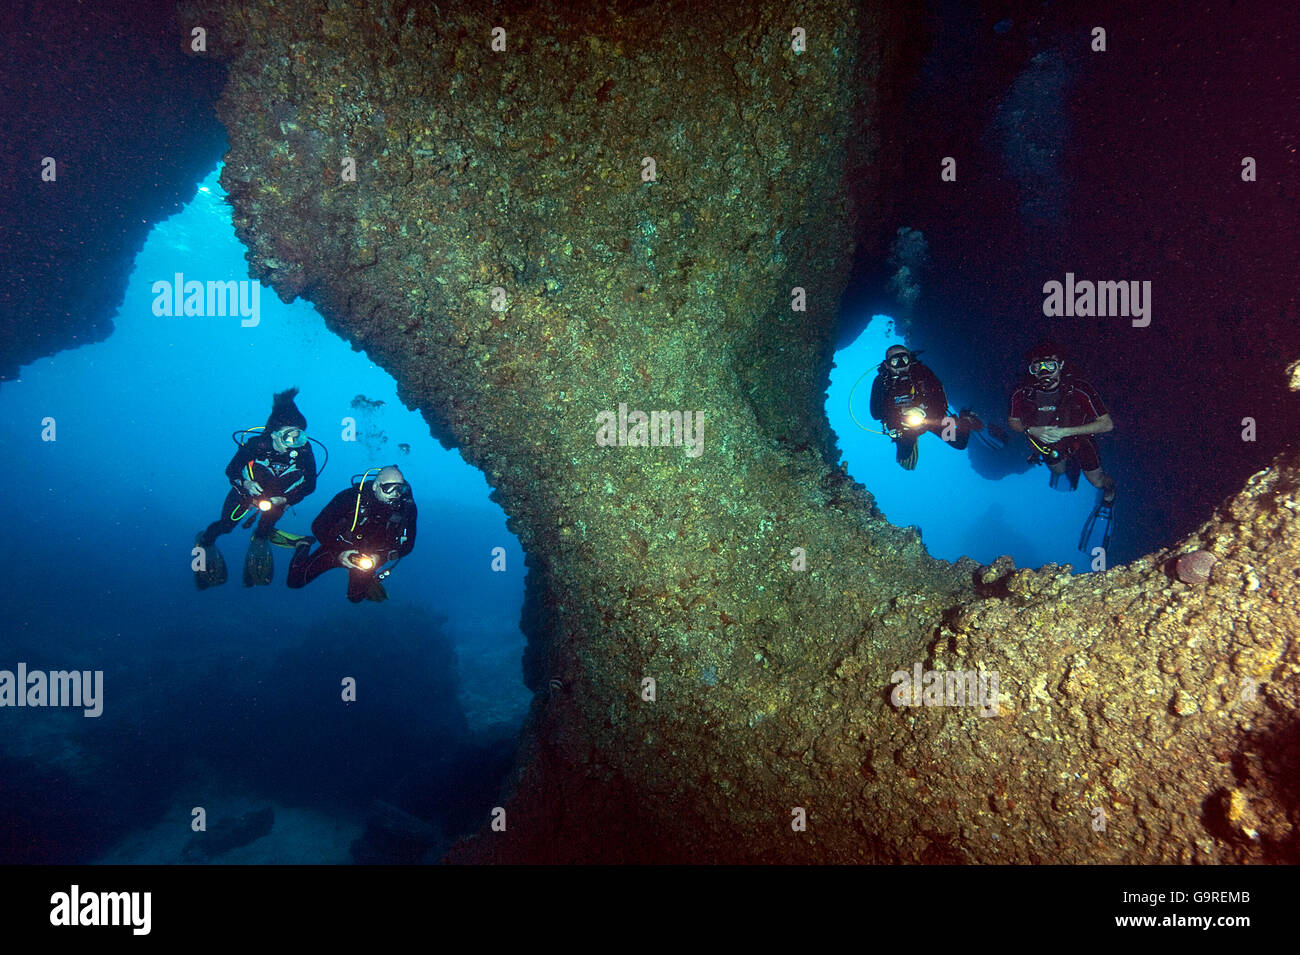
(517, 232)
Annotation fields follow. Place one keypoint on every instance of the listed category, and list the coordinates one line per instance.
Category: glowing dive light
(365, 562)
(913, 417)
(263, 505)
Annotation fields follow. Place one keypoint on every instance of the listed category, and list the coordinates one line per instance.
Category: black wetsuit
(385, 532)
(290, 474)
(1074, 402)
(891, 396)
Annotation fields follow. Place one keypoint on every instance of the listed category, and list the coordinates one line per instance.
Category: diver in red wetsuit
(1060, 413)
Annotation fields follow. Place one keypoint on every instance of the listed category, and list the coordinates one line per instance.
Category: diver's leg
(266, 523)
(214, 572)
(297, 576)
(304, 567)
(358, 585)
(1100, 479)
(227, 522)
(1090, 464)
(903, 446)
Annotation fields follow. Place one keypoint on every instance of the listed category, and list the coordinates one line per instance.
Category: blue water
(230, 697)
(959, 512)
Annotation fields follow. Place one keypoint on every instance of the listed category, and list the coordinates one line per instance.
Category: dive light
(263, 505)
(914, 417)
(365, 562)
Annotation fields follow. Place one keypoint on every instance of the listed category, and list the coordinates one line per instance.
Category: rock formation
(1139, 718)
(71, 73)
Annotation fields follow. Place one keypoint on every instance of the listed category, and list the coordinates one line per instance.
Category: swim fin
(993, 437)
(909, 462)
(284, 539)
(215, 573)
(376, 592)
(1104, 511)
(259, 565)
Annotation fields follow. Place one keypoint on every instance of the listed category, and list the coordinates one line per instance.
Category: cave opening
(1053, 187)
(981, 502)
(122, 445)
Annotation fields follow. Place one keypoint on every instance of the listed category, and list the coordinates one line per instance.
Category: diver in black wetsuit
(909, 400)
(362, 528)
(272, 470)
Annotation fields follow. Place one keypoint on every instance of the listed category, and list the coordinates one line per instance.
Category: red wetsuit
(1075, 402)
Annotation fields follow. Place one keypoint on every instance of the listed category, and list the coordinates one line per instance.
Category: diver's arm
(403, 548)
(1037, 431)
(878, 400)
(1019, 406)
(1099, 426)
(410, 533)
(235, 472)
(933, 397)
(336, 517)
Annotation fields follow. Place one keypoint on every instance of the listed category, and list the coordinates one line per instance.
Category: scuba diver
(909, 400)
(361, 529)
(1059, 414)
(274, 468)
